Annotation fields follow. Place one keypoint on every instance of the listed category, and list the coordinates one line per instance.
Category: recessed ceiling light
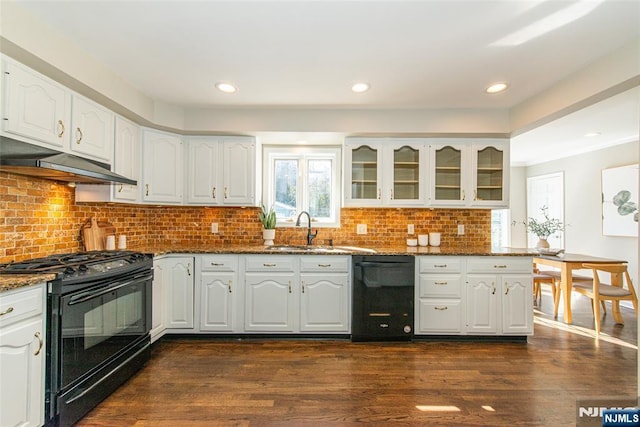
(496, 87)
(226, 87)
(360, 87)
(592, 134)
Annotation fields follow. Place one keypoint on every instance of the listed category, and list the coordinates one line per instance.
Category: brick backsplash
(40, 218)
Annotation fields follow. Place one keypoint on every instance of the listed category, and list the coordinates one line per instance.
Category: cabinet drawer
(436, 264)
(270, 263)
(324, 263)
(219, 263)
(440, 316)
(21, 304)
(441, 285)
(501, 264)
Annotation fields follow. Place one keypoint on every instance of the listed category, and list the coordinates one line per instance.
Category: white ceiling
(307, 54)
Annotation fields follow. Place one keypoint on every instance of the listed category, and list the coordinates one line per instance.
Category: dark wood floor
(280, 382)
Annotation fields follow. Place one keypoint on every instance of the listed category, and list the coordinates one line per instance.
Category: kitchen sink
(317, 249)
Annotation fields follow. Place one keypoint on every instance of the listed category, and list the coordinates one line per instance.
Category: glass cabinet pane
(406, 174)
(448, 179)
(364, 173)
(489, 174)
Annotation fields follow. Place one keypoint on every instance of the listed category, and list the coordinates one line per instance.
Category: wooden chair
(600, 292)
(575, 278)
(540, 278)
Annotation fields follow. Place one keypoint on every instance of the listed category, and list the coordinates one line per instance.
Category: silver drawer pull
(268, 265)
(7, 311)
(440, 283)
(324, 265)
(440, 308)
(440, 265)
(499, 266)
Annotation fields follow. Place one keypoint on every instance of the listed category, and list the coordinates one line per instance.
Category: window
(300, 179)
(546, 190)
(500, 228)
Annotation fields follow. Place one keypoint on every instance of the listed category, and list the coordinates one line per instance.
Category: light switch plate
(410, 229)
(214, 228)
(460, 229)
(361, 229)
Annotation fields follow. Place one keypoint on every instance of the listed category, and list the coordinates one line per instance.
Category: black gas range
(98, 323)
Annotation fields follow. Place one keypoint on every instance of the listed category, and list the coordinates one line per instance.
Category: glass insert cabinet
(426, 172)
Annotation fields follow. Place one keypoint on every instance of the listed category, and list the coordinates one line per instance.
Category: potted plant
(544, 229)
(268, 219)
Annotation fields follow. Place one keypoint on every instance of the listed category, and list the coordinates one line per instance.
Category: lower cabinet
(173, 295)
(22, 356)
(291, 294)
(220, 294)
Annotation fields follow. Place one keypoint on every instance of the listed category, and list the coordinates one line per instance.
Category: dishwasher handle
(381, 264)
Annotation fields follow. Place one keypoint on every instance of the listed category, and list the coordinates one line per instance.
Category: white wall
(518, 206)
(583, 202)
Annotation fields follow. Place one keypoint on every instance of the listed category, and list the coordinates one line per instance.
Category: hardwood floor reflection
(261, 382)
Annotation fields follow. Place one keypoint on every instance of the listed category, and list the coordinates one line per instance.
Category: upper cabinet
(221, 171)
(385, 172)
(426, 172)
(126, 160)
(92, 130)
(162, 167)
(35, 107)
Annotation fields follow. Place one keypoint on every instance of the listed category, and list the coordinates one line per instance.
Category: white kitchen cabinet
(271, 294)
(126, 162)
(36, 109)
(439, 296)
(499, 295)
(22, 356)
(221, 171)
(385, 171)
(91, 130)
(469, 173)
(162, 167)
(220, 294)
(178, 278)
(158, 298)
(324, 294)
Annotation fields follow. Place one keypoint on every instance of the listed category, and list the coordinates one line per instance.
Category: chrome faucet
(310, 235)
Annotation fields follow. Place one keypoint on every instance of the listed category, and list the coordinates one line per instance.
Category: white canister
(423, 239)
(122, 242)
(412, 242)
(111, 243)
(434, 239)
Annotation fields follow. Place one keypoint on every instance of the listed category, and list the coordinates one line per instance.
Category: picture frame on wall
(620, 201)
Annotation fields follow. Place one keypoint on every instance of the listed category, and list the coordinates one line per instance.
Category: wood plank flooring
(288, 382)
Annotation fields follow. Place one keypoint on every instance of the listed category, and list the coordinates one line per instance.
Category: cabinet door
(270, 303)
(126, 160)
(481, 304)
(448, 176)
(217, 301)
(324, 302)
(92, 130)
(36, 107)
(179, 301)
(363, 175)
(161, 167)
(238, 166)
(517, 304)
(404, 174)
(158, 295)
(490, 175)
(204, 166)
(21, 369)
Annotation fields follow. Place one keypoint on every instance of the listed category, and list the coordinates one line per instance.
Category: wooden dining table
(568, 262)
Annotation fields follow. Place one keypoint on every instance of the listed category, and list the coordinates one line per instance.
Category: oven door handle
(86, 296)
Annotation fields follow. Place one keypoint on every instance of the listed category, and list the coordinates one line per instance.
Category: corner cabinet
(162, 167)
(22, 356)
(221, 171)
(178, 283)
(385, 172)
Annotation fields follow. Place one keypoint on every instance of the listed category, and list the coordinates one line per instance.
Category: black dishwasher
(383, 293)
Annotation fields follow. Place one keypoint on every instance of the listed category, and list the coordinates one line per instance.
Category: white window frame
(288, 152)
(546, 190)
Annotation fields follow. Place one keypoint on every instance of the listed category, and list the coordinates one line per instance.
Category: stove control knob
(407, 329)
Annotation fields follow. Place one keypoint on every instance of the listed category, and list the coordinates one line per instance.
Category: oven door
(99, 323)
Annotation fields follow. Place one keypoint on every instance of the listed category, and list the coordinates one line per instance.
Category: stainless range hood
(31, 160)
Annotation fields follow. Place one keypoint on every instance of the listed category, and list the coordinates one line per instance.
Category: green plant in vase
(268, 219)
(544, 228)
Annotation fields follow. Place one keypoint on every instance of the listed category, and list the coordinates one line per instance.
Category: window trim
(272, 152)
